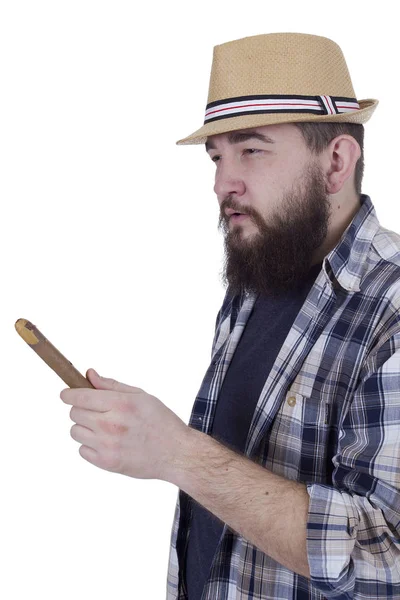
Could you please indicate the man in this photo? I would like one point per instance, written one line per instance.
(305, 372)
(289, 470)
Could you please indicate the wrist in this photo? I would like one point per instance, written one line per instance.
(187, 453)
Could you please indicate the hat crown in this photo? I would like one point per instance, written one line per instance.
(279, 63)
(277, 78)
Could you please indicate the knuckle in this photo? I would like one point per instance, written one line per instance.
(126, 404)
(111, 445)
(111, 427)
(85, 399)
(108, 464)
(123, 403)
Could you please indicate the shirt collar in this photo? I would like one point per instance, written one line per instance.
(347, 261)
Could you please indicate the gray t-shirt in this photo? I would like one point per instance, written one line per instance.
(262, 338)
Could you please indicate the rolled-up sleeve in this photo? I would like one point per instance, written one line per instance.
(353, 526)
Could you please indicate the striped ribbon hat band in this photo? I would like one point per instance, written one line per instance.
(248, 105)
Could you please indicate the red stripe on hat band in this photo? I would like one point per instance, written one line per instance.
(248, 105)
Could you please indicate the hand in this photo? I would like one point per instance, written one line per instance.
(124, 430)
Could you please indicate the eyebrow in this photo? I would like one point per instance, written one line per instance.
(236, 137)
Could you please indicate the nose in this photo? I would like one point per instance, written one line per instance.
(228, 180)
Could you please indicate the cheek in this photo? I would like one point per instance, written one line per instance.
(266, 172)
(277, 181)
(266, 191)
(264, 185)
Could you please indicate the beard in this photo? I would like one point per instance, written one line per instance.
(277, 258)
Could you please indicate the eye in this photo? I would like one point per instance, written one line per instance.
(252, 150)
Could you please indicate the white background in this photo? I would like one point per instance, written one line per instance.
(109, 245)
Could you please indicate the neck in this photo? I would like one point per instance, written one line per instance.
(343, 211)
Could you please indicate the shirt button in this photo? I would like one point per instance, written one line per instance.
(291, 400)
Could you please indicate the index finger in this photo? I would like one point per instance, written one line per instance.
(97, 400)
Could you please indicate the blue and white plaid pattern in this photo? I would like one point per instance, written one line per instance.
(341, 438)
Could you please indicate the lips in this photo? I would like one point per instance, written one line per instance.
(238, 217)
(229, 212)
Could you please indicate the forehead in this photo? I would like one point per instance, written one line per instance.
(272, 133)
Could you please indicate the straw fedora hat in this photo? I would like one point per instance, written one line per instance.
(279, 78)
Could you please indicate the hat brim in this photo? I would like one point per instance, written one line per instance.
(200, 136)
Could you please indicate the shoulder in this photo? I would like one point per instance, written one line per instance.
(382, 275)
(386, 244)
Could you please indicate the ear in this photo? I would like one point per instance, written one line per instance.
(343, 153)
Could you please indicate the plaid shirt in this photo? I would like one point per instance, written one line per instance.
(341, 438)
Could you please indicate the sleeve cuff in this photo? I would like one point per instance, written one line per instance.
(332, 526)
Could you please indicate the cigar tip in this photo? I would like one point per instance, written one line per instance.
(24, 328)
(20, 324)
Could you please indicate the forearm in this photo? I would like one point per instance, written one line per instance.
(267, 510)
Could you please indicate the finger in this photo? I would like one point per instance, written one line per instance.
(81, 416)
(103, 462)
(106, 448)
(97, 400)
(98, 421)
(90, 455)
(107, 383)
(83, 435)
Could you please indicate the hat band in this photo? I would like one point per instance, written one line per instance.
(250, 105)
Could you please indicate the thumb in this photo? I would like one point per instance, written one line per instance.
(106, 383)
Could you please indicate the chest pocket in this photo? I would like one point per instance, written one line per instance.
(302, 439)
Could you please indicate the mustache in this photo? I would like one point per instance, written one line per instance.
(230, 203)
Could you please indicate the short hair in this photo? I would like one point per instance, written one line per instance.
(317, 136)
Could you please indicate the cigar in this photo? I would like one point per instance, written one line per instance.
(51, 356)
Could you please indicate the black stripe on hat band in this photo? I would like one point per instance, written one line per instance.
(261, 112)
(275, 97)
